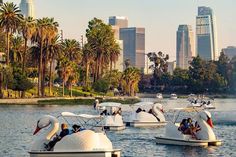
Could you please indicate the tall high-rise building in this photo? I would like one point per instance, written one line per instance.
(134, 45)
(184, 46)
(119, 21)
(206, 34)
(27, 8)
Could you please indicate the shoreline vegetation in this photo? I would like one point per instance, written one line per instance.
(82, 100)
(67, 100)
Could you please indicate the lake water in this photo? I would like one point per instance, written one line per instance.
(18, 123)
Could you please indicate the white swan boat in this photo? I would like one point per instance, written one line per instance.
(204, 137)
(159, 96)
(173, 97)
(113, 119)
(152, 118)
(204, 103)
(86, 143)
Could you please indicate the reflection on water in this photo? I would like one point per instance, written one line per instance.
(18, 122)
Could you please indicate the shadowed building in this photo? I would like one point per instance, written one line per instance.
(134, 46)
(184, 46)
(27, 8)
(206, 34)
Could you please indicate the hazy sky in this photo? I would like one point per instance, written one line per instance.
(159, 17)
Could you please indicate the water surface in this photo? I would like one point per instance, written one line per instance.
(18, 123)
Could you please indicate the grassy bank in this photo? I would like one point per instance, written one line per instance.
(86, 101)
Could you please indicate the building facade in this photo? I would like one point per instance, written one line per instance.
(206, 34)
(27, 8)
(230, 51)
(134, 46)
(171, 67)
(184, 46)
(120, 21)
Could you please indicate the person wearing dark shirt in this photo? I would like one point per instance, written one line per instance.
(64, 131)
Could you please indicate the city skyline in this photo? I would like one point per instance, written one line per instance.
(160, 19)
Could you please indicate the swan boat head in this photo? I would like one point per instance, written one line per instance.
(158, 111)
(205, 122)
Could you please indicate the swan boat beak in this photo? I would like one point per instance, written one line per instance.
(209, 122)
(36, 130)
(162, 110)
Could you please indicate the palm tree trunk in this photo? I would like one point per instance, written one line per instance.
(8, 46)
(87, 73)
(24, 56)
(40, 69)
(63, 87)
(1, 94)
(50, 78)
(71, 90)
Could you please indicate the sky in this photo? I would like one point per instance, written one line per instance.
(159, 17)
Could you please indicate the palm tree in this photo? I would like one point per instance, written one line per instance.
(88, 58)
(114, 54)
(130, 80)
(54, 49)
(46, 30)
(71, 49)
(101, 38)
(10, 18)
(16, 49)
(27, 28)
(71, 52)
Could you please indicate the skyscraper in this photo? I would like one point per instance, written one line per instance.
(206, 34)
(27, 8)
(184, 46)
(120, 21)
(134, 45)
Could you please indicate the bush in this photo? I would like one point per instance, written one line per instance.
(101, 86)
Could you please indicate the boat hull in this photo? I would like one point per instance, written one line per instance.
(112, 153)
(175, 141)
(145, 124)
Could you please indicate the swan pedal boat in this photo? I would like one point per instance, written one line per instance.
(86, 143)
(145, 119)
(204, 137)
(173, 97)
(112, 122)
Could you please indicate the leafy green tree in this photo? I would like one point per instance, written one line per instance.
(101, 85)
(10, 19)
(159, 66)
(130, 79)
(27, 29)
(102, 41)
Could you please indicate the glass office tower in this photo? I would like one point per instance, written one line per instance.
(184, 46)
(206, 34)
(27, 8)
